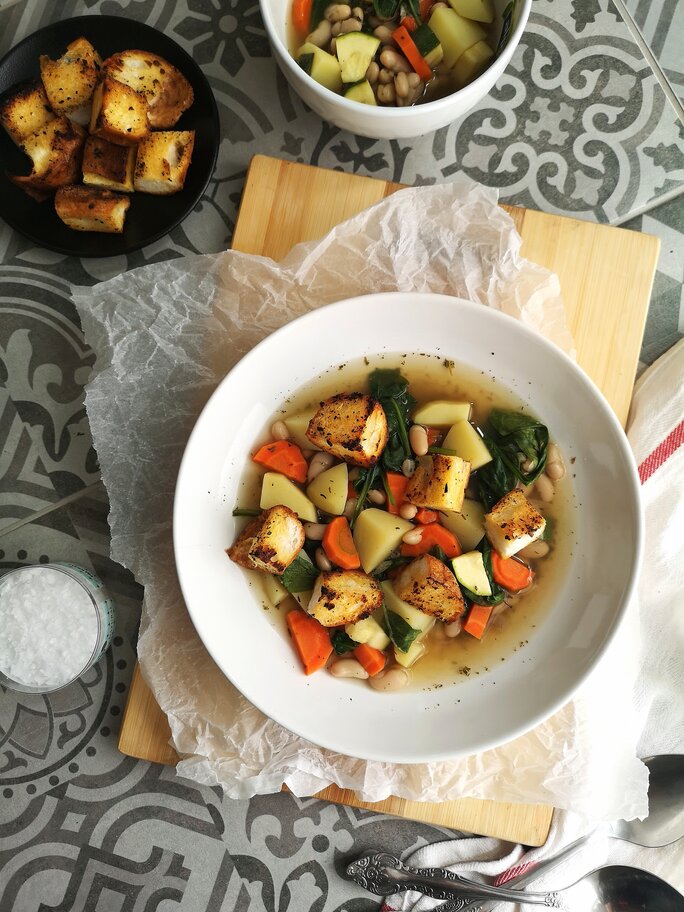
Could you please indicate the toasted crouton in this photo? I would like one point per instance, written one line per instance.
(91, 209)
(513, 523)
(108, 165)
(55, 151)
(168, 92)
(119, 113)
(163, 160)
(351, 426)
(270, 542)
(431, 587)
(439, 482)
(344, 597)
(26, 112)
(70, 81)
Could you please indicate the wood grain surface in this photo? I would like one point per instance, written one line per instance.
(606, 275)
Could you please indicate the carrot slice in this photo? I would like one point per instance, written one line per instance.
(301, 16)
(396, 482)
(408, 48)
(339, 545)
(311, 640)
(511, 573)
(409, 23)
(372, 659)
(477, 620)
(284, 457)
(425, 516)
(433, 534)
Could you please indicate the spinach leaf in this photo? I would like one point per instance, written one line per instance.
(243, 511)
(385, 9)
(342, 642)
(301, 575)
(498, 594)
(363, 484)
(512, 439)
(399, 631)
(383, 570)
(390, 388)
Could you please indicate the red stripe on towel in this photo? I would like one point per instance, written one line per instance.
(513, 872)
(662, 453)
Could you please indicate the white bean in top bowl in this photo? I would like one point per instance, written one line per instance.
(379, 122)
(601, 536)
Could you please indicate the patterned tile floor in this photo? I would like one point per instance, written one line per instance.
(579, 124)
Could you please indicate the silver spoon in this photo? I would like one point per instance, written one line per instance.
(611, 887)
(663, 826)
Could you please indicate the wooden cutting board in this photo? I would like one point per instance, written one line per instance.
(606, 275)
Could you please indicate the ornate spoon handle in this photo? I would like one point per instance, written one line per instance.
(384, 874)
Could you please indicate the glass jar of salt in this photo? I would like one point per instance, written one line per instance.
(56, 620)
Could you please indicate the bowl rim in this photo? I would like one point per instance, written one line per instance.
(437, 106)
(400, 754)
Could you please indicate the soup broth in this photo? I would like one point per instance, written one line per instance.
(447, 660)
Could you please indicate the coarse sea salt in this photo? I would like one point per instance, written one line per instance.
(48, 627)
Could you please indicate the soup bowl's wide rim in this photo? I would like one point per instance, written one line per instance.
(378, 121)
(472, 715)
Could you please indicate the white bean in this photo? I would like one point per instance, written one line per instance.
(385, 77)
(452, 629)
(357, 13)
(554, 453)
(555, 471)
(401, 87)
(527, 465)
(414, 80)
(390, 680)
(319, 463)
(408, 467)
(418, 435)
(321, 34)
(349, 507)
(544, 488)
(376, 497)
(322, 561)
(393, 61)
(534, 550)
(338, 12)
(414, 537)
(336, 30)
(279, 431)
(350, 25)
(383, 33)
(372, 72)
(348, 668)
(386, 93)
(408, 511)
(314, 531)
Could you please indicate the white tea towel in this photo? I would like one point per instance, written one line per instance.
(656, 434)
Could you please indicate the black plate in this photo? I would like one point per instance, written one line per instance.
(149, 217)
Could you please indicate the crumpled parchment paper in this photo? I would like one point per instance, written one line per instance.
(164, 336)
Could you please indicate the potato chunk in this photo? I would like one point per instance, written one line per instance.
(270, 542)
(431, 587)
(513, 523)
(439, 483)
(351, 426)
(344, 597)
